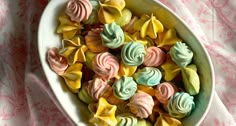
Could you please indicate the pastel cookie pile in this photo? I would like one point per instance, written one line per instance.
(129, 70)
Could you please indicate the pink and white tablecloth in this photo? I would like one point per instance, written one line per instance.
(27, 100)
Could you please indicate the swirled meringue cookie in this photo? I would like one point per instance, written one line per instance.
(104, 114)
(56, 62)
(112, 35)
(180, 105)
(73, 76)
(105, 65)
(164, 91)
(166, 120)
(93, 18)
(154, 57)
(141, 104)
(148, 76)
(126, 119)
(124, 88)
(110, 10)
(181, 54)
(132, 54)
(148, 26)
(98, 88)
(191, 79)
(78, 10)
(94, 41)
(83, 94)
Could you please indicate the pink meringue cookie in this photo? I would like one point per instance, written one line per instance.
(141, 104)
(105, 65)
(164, 91)
(57, 62)
(98, 88)
(79, 10)
(154, 57)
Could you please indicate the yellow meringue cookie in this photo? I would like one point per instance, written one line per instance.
(134, 37)
(73, 76)
(148, 26)
(105, 114)
(126, 70)
(67, 28)
(110, 10)
(73, 51)
(143, 122)
(171, 69)
(166, 120)
(89, 58)
(191, 79)
(167, 39)
(147, 89)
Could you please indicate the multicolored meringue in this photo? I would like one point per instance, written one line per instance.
(126, 119)
(141, 104)
(148, 26)
(94, 41)
(73, 51)
(154, 57)
(73, 76)
(125, 18)
(125, 70)
(191, 79)
(93, 18)
(83, 94)
(110, 10)
(180, 105)
(132, 54)
(56, 62)
(105, 65)
(181, 54)
(98, 88)
(104, 115)
(67, 28)
(167, 39)
(124, 88)
(171, 70)
(164, 91)
(78, 10)
(148, 76)
(166, 120)
(112, 35)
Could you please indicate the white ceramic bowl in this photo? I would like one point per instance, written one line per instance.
(76, 110)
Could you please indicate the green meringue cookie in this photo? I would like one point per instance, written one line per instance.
(124, 88)
(112, 35)
(126, 119)
(191, 79)
(125, 18)
(132, 54)
(93, 18)
(84, 96)
(180, 105)
(181, 54)
(143, 122)
(89, 58)
(148, 76)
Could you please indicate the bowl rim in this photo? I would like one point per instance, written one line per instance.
(58, 104)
